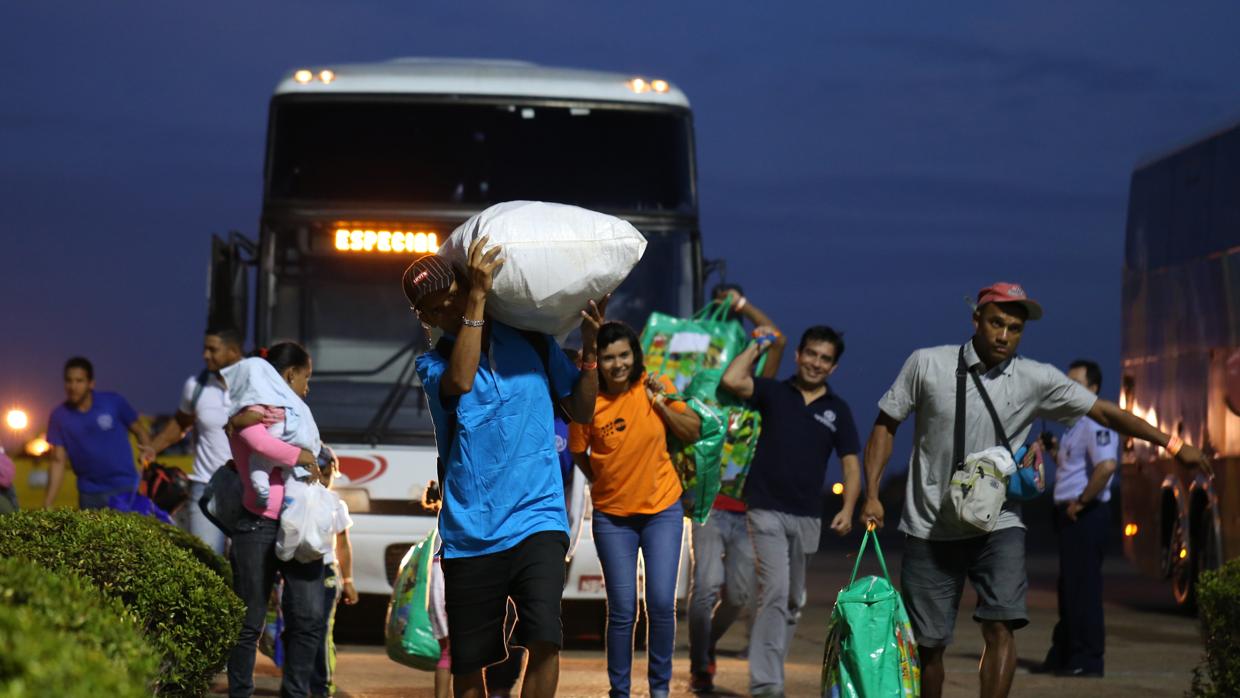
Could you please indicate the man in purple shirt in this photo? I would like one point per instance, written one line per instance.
(91, 430)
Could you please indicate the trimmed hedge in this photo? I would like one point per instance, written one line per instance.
(38, 661)
(1218, 605)
(189, 615)
(65, 604)
(191, 544)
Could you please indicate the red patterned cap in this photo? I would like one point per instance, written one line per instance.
(1004, 292)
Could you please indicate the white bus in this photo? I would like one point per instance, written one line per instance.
(368, 166)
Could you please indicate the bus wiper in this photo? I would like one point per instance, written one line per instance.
(395, 397)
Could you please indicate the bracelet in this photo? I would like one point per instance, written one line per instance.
(1174, 444)
(740, 304)
(472, 323)
(347, 580)
(590, 366)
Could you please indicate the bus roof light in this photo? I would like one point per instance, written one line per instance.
(303, 76)
(660, 86)
(638, 85)
(326, 76)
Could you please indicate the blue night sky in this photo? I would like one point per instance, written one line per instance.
(863, 167)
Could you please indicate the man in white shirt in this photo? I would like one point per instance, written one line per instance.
(940, 552)
(1086, 458)
(204, 408)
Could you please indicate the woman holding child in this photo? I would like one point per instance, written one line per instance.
(272, 434)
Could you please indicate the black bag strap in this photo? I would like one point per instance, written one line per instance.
(962, 370)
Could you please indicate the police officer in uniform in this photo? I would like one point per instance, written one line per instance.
(1087, 459)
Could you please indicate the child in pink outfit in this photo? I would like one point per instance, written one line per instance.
(261, 468)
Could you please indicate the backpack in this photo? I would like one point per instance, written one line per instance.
(408, 635)
(167, 487)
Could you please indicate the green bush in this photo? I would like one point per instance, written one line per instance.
(38, 660)
(1218, 605)
(66, 604)
(189, 615)
(191, 544)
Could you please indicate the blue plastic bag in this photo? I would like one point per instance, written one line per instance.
(1029, 481)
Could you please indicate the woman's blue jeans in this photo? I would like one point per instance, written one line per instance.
(618, 539)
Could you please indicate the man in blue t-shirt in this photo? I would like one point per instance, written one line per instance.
(91, 428)
(504, 530)
(803, 421)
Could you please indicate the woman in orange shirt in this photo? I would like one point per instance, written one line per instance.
(636, 495)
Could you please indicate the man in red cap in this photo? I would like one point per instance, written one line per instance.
(941, 550)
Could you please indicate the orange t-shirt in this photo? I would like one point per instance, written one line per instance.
(633, 472)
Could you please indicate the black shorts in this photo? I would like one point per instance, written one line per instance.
(476, 593)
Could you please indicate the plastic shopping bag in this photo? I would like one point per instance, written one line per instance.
(557, 259)
(697, 463)
(306, 526)
(408, 635)
(870, 651)
(693, 353)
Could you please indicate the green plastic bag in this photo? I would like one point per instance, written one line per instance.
(693, 353)
(697, 463)
(408, 635)
(870, 650)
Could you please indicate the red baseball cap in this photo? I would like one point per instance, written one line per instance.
(1004, 292)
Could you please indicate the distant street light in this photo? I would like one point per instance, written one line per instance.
(17, 420)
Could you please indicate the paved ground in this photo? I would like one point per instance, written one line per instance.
(1151, 649)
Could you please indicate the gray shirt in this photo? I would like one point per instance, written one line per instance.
(1022, 391)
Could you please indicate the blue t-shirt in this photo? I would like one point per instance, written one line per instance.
(790, 464)
(502, 479)
(97, 442)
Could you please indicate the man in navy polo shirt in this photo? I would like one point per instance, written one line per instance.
(802, 423)
(92, 429)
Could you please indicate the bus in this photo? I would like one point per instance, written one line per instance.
(1181, 359)
(371, 165)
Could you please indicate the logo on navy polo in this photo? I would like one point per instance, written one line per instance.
(1103, 437)
(105, 422)
(827, 419)
(560, 444)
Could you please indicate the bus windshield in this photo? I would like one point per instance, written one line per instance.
(351, 316)
(471, 154)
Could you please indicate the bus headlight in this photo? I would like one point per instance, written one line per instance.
(356, 498)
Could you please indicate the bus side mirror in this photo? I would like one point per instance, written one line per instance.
(228, 288)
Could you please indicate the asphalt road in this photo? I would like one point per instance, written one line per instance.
(1151, 647)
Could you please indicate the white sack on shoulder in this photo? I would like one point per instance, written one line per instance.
(557, 259)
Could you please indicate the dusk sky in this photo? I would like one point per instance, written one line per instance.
(865, 167)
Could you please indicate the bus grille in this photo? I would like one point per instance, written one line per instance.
(392, 557)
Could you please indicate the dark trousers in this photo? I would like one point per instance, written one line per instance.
(254, 568)
(1080, 635)
(325, 658)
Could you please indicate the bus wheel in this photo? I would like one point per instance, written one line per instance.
(1183, 568)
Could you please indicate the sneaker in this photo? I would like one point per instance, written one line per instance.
(1079, 673)
(702, 682)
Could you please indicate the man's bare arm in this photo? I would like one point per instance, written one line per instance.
(760, 319)
(55, 475)
(877, 452)
(172, 432)
(738, 377)
(1109, 415)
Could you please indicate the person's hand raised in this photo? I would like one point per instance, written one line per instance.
(483, 265)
